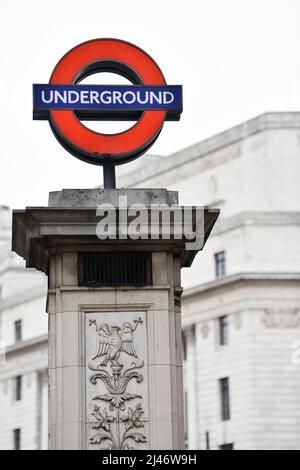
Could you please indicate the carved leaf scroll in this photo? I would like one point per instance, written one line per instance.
(122, 428)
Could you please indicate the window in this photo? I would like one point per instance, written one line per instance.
(18, 388)
(184, 347)
(186, 426)
(207, 440)
(17, 439)
(224, 330)
(225, 400)
(227, 447)
(220, 264)
(18, 331)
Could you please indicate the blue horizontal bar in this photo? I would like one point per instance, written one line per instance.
(107, 97)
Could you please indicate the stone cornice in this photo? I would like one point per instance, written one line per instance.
(21, 298)
(251, 218)
(39, 231)
(10, 268)
(267, 121)
(240, 278)
(23, 346)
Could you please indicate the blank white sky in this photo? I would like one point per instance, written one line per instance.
(234, 58)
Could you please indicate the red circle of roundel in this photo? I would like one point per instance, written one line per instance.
(128, 144)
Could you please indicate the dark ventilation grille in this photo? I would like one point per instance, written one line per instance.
(115, 269)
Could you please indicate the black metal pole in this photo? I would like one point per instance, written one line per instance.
(109, 173)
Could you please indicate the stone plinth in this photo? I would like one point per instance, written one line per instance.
(115, 360)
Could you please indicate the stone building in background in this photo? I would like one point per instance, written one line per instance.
(241, 304)
(24, 362)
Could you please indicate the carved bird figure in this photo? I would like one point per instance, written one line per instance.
(112, 340)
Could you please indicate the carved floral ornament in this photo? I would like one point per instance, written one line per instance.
(238, 320)
(205, 329)
(118, 426)
(281, 318)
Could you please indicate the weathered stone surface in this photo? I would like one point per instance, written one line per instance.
(117, 382)
(87, 198)
(114, 352)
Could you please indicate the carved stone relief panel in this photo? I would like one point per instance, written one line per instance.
(117, 381)
(238, 320)
(281, 318)
(205, 329)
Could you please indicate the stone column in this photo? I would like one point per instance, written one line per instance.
(191, 386)
(42, 408)
(115, 359)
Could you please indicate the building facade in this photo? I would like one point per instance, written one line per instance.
(24, 349)
(241, 303)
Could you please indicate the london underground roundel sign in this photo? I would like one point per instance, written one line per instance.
(66, 103)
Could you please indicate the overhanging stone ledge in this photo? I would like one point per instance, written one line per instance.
(38, 230)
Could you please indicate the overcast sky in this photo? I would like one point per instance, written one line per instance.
(235, 59)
